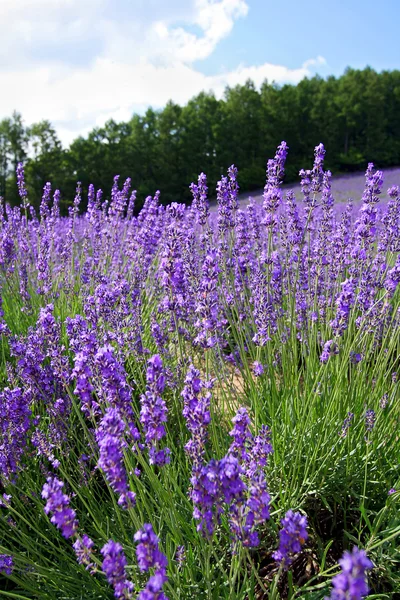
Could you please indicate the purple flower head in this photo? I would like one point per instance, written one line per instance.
(213, 486)
(351, 583)
(180, 555)
(83, 549)
(370, 420)
(384, 401)
(258, 452)
(15, 424)
(63, 516)
(155, 375)
(115, 388)
(148, 553)
(258, 369)
(227, 190)
(365, 227)
(200, 202)
(150, 557)
(110, 438)
(6, 564)
(272, 193)
(330, 349)
(355, 357)
(23, 194)
(196, 410)
(240, 433)
(153, 412)
(318, 172)
(346, 424)
(114, 567)
(344, 303)
(391, 491)
(291, 537)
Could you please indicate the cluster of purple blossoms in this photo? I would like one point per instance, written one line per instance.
(171, 268)
(83, 548)
(370, 418)
(258, 368)
(196, 410)
(23, 194)
(149, 557)
(384, 401)
(84, 388)
(291, 537)
(208, 310)
(15, 424)
(111, 441)
(241, 434)
(6, 564)
(115, 390)
(344, 303)
(180, 555)
(227, 191)
(330, 349)
(346, 424)
(153, 413)
(237, 481)
(254, 451)
(200, 202)
(114, 567)
(272, 193)
(351, 582)
(215, 485)
(64, 517)
(365, 227)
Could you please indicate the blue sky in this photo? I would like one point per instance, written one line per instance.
(352, 33)
(81, 62)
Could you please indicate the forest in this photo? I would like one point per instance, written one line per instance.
(356, 116)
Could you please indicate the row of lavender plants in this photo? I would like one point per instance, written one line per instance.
(200, 404)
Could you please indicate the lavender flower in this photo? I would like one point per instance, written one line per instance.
(114, 567)
(291, 537)
(208, 308)
(369, 420)
(6, 564)
(258, 369)
(346, 424)
(329, 350)
(272, 193)
(180, 555)
(237, 482)
(153, 413)
(240, 433)
(196, 411)
(200, 202)
(150, 557)
(344, 303)
(15, 424)
(64, 517)
(351, 583)
(83, 548)
(110, 438)
(384, 401)
(214, 485)
(21, 185)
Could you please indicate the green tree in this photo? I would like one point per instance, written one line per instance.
(13, 148)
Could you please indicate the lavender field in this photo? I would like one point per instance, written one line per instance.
(202, 401)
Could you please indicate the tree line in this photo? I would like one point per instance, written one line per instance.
(356, 116)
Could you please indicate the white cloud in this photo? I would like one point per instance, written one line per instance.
(80, 63)
(215, 19)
